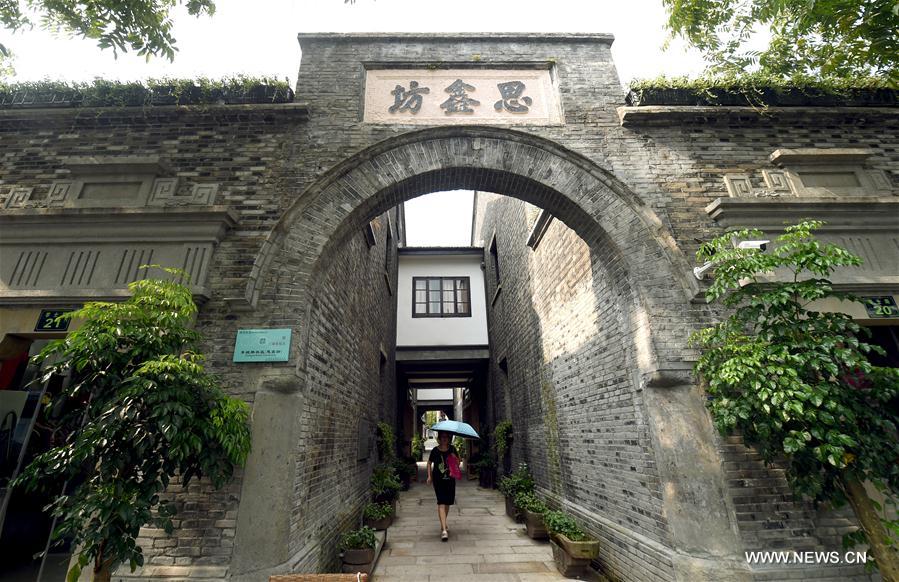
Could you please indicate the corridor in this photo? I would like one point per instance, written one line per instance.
(485, 544)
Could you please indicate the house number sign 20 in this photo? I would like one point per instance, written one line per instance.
(881, 307)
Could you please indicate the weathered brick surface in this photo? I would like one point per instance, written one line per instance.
(281, 172)
(577, 420)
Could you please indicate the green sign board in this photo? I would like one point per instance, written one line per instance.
(46, 321)
(262, 345)
(881, 307)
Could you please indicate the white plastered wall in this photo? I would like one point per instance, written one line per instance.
(441, 331)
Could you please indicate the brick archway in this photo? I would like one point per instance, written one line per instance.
(649, 278)
(638, 249)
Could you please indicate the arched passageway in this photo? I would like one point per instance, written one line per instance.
(683, 524)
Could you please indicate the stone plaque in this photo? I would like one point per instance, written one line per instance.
(262, 345)
(459, 96)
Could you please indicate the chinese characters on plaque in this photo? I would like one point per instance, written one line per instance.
(462, 96)
(262, 345)
(459, 101)
(408, 100)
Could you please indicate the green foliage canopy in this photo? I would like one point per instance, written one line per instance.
(141, 25)
(795, 382)
(148, 411)
(103, 93)
(828, 37)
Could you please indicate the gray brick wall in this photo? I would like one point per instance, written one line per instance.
(577, 420)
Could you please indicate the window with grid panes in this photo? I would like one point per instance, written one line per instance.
(441, 297)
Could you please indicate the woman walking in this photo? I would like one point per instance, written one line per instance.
(440, 462)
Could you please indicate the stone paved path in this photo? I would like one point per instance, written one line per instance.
(484, 545)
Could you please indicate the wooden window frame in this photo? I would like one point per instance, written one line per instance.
(427, 302)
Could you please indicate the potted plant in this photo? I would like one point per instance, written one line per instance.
(471, 467)
(485, 465)
(533, 509)
(378, 515)
(572, 548)
(404, 471)
(520, 481)
(418, 447)
(411, 467)
(358, 550)
(385, 486)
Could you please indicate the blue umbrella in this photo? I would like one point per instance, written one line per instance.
(462, 429)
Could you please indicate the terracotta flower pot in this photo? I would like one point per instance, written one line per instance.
(359, 556)
(534, 525)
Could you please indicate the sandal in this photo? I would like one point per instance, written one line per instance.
(444, 535)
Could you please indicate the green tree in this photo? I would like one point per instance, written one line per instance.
(839, 38)
(141, 25)
(149, 412)
(797, 383)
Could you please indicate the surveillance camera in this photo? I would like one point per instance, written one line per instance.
(699, 272)
(760, 245)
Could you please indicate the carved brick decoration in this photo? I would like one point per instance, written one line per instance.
(19, 198)
(59, 193)
(164, 191)
(880, 180)
(738, 185)
(204, 193)
(776, 181)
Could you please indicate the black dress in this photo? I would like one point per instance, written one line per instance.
(444, 484)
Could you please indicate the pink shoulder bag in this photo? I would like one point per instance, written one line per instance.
(452, 462)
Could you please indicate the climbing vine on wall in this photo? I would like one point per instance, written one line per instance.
(503, 436)
(551, 421)
(386, 441)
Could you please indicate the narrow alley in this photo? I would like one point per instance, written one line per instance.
(484, 545)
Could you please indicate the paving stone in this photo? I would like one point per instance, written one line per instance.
(487, 548)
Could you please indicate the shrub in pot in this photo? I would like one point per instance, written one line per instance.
(404, 472)
(418, 447)
(358, 550)
(572, 547)
(378, 515)
(385, 486)
(533, 509)
(519, 481)
(485, 465)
